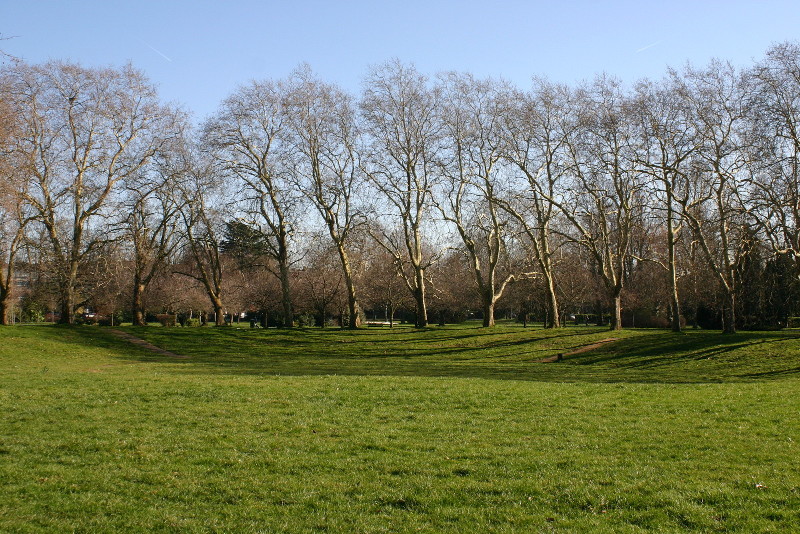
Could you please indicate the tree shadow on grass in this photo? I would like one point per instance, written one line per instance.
(713, 356)
(503, 354)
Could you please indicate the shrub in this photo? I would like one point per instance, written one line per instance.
(194, 322)
(166, 319)
(34, 316)
(306, 320)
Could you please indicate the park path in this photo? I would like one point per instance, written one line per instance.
(145, 344)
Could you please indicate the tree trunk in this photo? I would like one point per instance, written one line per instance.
(218, 312)
(543, 254)
(616, 317)
(488, 311)
(728, 313)
(354, 310)
(673, 275)
(286, 295)
(554, 320)
(138, 304)
(352, 300)
(67, 304)
(675, 301)
(6, 281)
(5, 301)
(419, 297)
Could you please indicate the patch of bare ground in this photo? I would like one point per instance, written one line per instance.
(145, 345)
(579, 350)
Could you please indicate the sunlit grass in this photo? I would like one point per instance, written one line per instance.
(455, 429)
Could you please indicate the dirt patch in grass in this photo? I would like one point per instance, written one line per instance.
(580, 350)
(146, 345)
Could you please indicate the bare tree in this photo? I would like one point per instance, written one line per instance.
(85, 130)
(247, 138)
(536, 130)
(775, 161)
(323, 137)
(13, 222)
(151, 201)
(713, 206)
(666, 143)
(603, 199)
(14, 212)
(471, 115)
(201, 209)
(400, 115)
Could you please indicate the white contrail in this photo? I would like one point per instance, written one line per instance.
(651, 45)
(154, 49)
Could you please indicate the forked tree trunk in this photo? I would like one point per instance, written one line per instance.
(553, 318)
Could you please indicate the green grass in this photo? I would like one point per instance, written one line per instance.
(455, 429)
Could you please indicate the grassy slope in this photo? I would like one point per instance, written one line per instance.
(454, 429)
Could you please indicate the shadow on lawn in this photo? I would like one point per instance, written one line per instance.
(508, 353)
(640, 356)
(667, 348)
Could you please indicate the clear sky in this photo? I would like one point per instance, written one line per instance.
(199, 51)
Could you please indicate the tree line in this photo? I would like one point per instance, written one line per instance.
(670, 202)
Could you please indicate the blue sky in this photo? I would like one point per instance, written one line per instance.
(199, 51)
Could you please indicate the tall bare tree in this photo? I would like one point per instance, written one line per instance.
(14, 218)
(714, 207)
(152, 206)
(471, 163)
(14, 212)
(201, 202)
(666, 143)
(536, 131)
(603, 199)
(247, 138)
(774, 164)
(323, 139)
(400, 109)
(85, 130)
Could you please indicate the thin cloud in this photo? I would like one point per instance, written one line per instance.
(651, 45)
(154, 49)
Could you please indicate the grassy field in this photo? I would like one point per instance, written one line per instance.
(456, 429)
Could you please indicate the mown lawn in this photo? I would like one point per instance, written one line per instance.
(456, 429)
